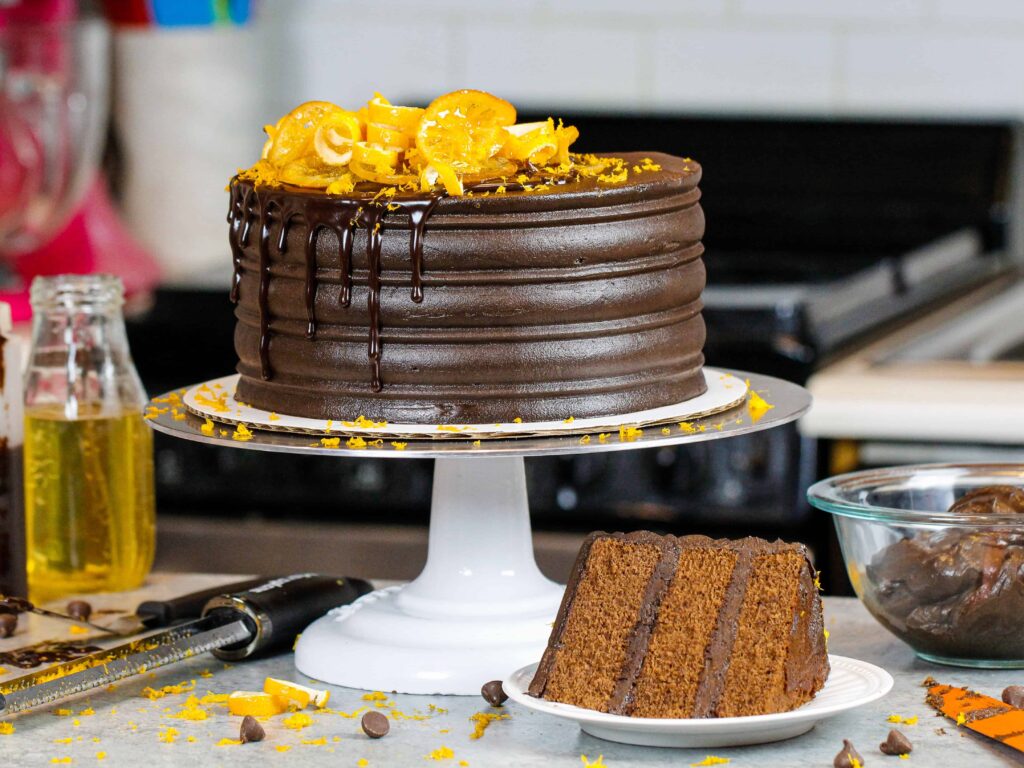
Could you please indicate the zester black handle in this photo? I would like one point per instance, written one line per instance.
(163, 613)
(281, 608)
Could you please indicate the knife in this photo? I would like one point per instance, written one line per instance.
(257, 621)
(151, 614)
(982, 714)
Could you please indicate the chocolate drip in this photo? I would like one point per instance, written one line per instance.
(345, 259)
(373, 220)
(241, 213)
(418, 211)
(264, 292)
(342, 216)
(311, 282)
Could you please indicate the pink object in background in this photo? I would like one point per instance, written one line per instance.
(94, 240)
(92, 237)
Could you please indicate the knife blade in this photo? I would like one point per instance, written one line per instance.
(982, 714)
(233, 626)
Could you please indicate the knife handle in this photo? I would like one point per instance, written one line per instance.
(162, 613)
(279, 609)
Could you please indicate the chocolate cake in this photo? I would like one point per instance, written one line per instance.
(956, 592)
(556, 291)
(689, 627)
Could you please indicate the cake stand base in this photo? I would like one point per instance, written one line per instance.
(480, 609)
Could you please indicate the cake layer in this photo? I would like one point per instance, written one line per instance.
(723, 628)
(580, 300)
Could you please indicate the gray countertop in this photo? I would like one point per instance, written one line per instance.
(127, 728)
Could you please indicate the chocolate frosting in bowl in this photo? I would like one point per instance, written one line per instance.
(579, 300)
(957, 592)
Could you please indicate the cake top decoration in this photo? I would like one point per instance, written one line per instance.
(462, 139)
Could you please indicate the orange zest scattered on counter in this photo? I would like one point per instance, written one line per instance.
(398, 446)
(298, 721)
(599, 763)
(461, 138)
(711, 760)
(441, 753)
(900, 719)
(153, 694)
(482, 720)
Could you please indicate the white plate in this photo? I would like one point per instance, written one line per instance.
(215, 399)
(851, 684)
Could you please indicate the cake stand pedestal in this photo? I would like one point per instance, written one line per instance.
(480, 608)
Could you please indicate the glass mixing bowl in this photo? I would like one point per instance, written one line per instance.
(950, 584)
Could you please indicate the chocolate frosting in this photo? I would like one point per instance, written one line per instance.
(957, 592)
(579, 300)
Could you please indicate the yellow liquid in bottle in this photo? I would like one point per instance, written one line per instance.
(89, 502)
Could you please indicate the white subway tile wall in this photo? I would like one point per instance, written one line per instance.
(886, 57)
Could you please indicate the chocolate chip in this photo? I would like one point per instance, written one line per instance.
(375, 725)
(493, 693)
(848, 757)
(896, 744)
(1014, 696)
(79, 609)
(8, 623)
(250, 730)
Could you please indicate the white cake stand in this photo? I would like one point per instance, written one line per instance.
(481, 607)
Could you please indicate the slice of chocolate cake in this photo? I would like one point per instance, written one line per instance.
(660, 626)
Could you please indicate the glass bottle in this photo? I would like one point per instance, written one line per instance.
(89, 492)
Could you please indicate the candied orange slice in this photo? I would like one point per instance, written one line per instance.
(495, 168)
(310, 174)
(536, 143)
(565, 135)
(379, 164)
(376, 156)
(289, 138)
(334, 136)
(381, 111)
(294, 692)
(388, 136)
(256, 703)
(476, 107)
(462, 130)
